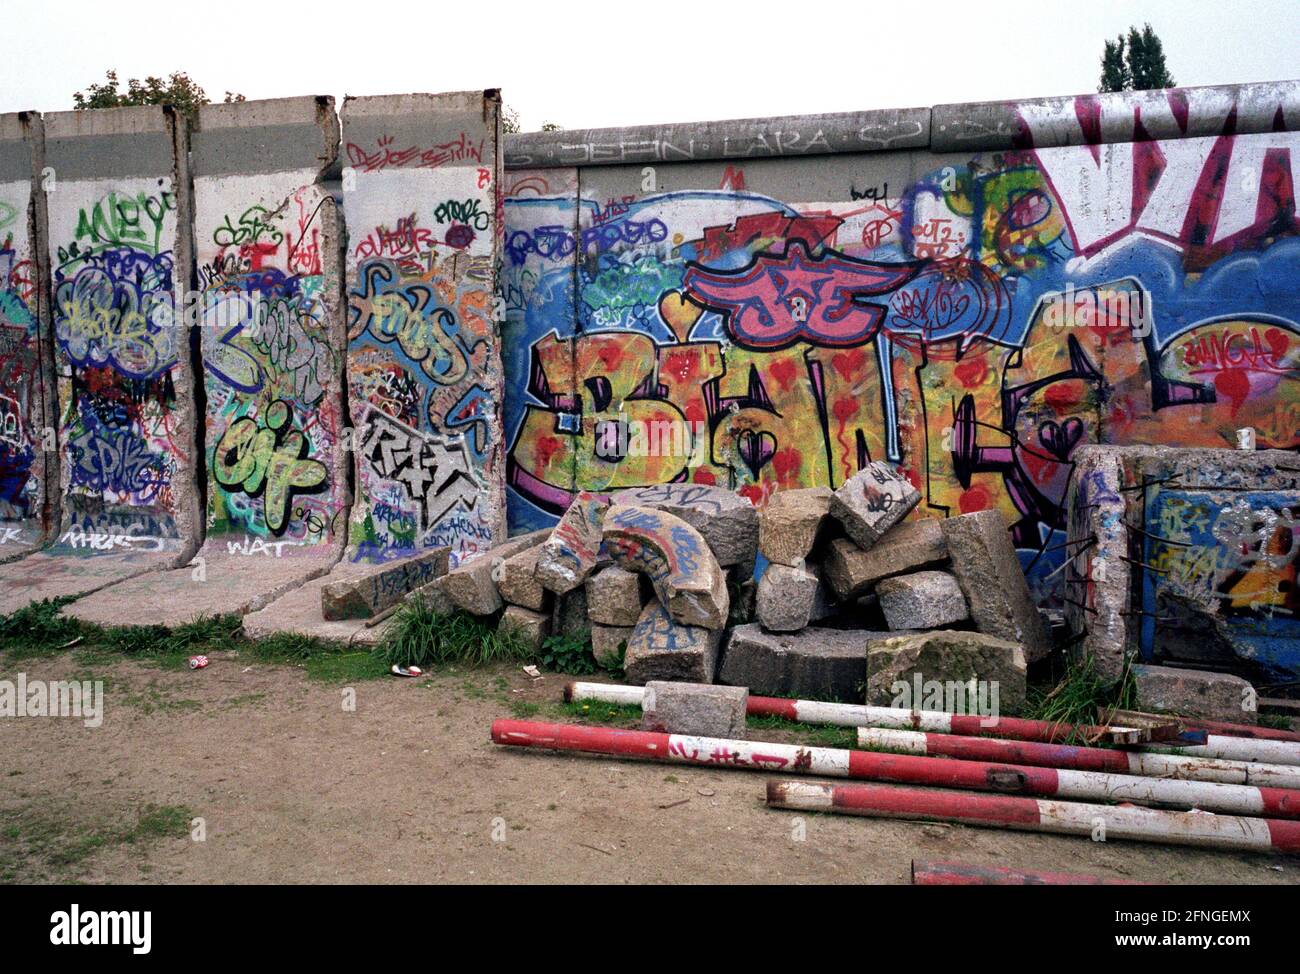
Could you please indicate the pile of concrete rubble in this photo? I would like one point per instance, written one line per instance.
(852, 598)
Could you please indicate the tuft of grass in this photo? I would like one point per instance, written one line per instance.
(421, 636)
(38, 627)
(160, 822)
(135, 640)
(290, 647)
(1275, 721)
(1079, 694)
(207, 632)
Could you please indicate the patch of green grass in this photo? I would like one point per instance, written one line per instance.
(421, 636)
(598, 712)
(160, 822)
(524, 709)
(818, 735)
(50, 843)
(340, 667)
(1079, 694)
(155, 698)
(38, 627)
(1275, 721)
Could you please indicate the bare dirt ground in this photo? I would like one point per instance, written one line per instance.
(408, 788)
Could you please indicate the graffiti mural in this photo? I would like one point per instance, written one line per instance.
(126, 451)
(273, 427)
(22, 491)
(424, 367)
(975, 325)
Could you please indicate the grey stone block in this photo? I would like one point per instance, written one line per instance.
(906, 547)
(923, 600)
(986, 566)
(701, 709)
(791, 524)
(614, 597)
(663, 649)
(785, 598)
(943, 657)
(817, 663)
(571, 552)
(368, 595)
(606, 642)
(1195, 693)
(872, 501)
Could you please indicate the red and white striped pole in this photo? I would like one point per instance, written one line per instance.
(1079, 758)
(928, 873)
(941, 722)
(901, 768)
(1038, 815)
(1235, 749)
(1247, 730)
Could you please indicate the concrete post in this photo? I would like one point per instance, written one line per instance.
(29, 488)
(120, 258)
(268, 315)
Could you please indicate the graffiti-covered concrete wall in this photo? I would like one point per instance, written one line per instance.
(119, 252)
(421, 197)
(266, 316)
(972, 292)
(267, 247)
(29, 489)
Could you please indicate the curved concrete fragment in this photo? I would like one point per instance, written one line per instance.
(571, 552)
(686, 576)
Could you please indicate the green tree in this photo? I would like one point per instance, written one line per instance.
(177, 90)
(1135, 63)
(510, 122)
(1114, 70)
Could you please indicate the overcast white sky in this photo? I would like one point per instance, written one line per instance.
(587, 63)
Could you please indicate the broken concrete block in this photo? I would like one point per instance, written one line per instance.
(608, 642)
(435, 596)
(517, 582)
(727, 521)
(906, 547)
(661, 648)
(944, 662)
(788, 598)
(922, 600)
(472, 585)
(569, 613)
(701, 709)
(872, 501)
(1195, 693)
(817, 663)
(686, 576)
(791, 524)
(529, 626)
(1156, 533)
(989, 573)
(572, 550)
(614, 597)
(370, 594)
